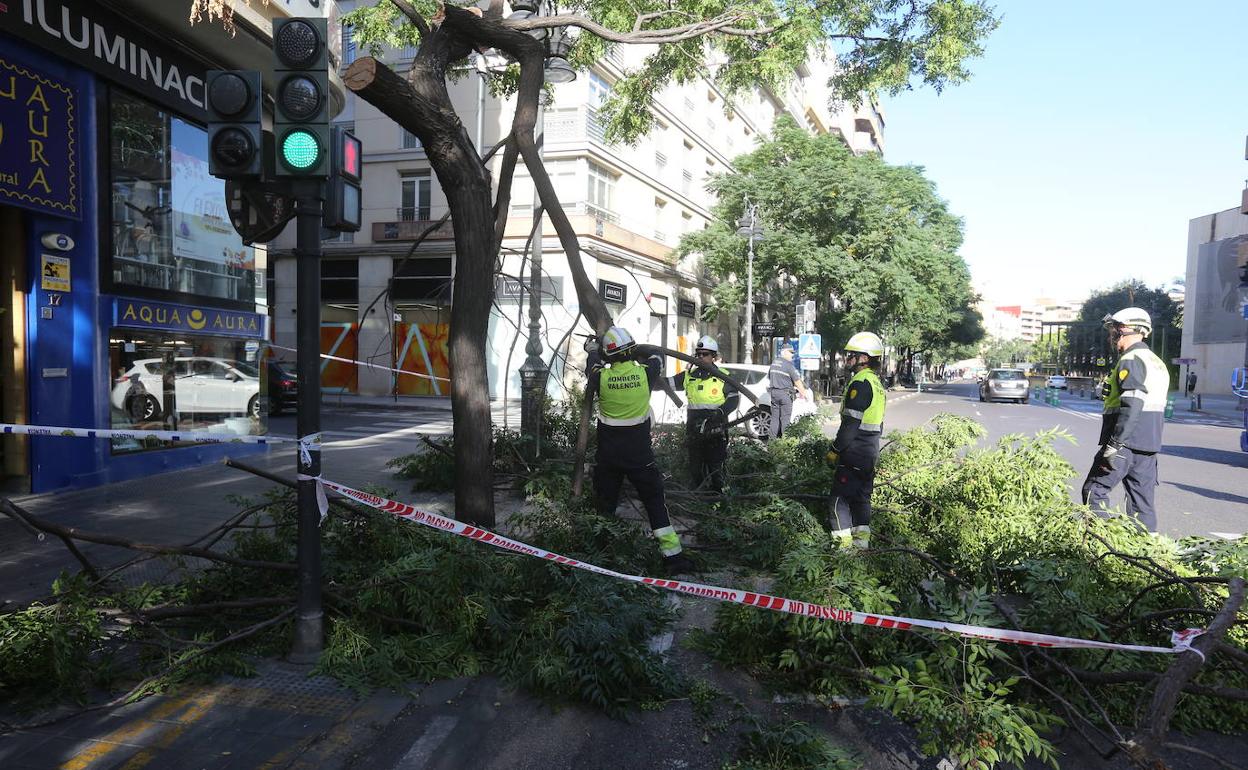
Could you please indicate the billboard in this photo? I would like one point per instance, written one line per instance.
(1218, 316)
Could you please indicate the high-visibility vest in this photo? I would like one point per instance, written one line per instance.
(705, 392)
(1146, 435)
(624, 394)
(873, 418)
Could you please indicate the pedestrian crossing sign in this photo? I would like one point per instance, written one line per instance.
(809, 346)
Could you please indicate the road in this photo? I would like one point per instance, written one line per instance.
(1203, 487)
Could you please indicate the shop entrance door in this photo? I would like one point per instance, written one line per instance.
(14, 454)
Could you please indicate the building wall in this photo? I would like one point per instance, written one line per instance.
(1214, 243)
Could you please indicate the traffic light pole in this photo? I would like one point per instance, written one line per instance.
(309, 617)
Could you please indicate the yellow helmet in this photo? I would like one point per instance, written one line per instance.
(865, 342)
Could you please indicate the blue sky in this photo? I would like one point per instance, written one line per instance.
(1088, 137)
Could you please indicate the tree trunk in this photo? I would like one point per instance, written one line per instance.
(421, 105)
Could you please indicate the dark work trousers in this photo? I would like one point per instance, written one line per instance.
(1138, 473)
(625, 452)
(707, 455)
(852, 484)
(781, 412)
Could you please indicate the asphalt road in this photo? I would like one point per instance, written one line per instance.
(1203, 487)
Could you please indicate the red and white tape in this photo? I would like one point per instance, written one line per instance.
(197, 437)
(1182, 640)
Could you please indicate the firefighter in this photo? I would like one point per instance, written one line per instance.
(856, 448)
(711, 402)
(622, 381)
(1135, 403)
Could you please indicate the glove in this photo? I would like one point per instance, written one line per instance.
(833, 457)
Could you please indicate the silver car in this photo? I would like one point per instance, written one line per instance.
(1008, 384)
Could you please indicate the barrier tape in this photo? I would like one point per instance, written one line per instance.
(366, 363)
(197, 437)
(1182, 639)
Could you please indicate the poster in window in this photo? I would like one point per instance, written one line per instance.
(201, 223)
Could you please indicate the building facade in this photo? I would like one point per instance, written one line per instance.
(1215, 330)
(128, 300)
(387, 304)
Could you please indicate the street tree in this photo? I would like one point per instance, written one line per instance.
(1166, 315)
(998, 352)
(881, 46)
(871, 243)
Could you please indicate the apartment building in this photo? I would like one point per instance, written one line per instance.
(385, 303)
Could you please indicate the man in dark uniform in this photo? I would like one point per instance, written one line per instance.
(856, 449)
(1135, 402)
(711, 401)
(622, 384)
(782, 379)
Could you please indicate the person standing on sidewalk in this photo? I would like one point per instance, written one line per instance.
(711, 401)
(1135, 403)
(622, 381)
(782, 379)
(856, 448)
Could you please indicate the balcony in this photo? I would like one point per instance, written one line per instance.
(410, 222)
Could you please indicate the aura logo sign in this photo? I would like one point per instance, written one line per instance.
(143, 314)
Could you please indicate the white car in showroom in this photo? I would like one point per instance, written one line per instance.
(754, 378)
(202, 385)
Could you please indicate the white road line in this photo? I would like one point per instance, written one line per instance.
(422, 750)
(1228, 535)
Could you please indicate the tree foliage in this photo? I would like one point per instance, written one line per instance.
(852, 227)
(1132, 292)
(998, 352)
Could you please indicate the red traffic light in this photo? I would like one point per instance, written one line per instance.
(350, 157)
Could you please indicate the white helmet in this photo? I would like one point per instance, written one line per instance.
(617, 341)
(707, 342)
(1134, 318)
(866, 342)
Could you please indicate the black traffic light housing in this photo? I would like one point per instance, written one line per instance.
(235, 144)
(301, 111)
(343, 211)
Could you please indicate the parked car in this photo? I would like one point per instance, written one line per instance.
(201, 385)
(1055, 381)
(1004, 383)
(283, 389)
(754, 378)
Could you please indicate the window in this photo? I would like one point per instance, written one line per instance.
(348, 44)
(421, 279)
(660, 215)
(601, 188)
(340, 279)
(414, 198)
(686, 182)
(660, 161)
(599, 90)
(409, 140)
(167, 380)
(686, 222)
(169, 228)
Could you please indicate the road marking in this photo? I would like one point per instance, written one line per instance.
(1080, 415)
(154, 720)
(978, 413)
(1228, 535)
(419, 754)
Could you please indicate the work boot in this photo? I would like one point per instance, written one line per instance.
(678, 564)
(842, 537)
(862, 536)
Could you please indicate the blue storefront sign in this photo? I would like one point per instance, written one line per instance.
(39, 142)
(190, 319)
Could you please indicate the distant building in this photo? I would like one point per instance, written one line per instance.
(1214, 328)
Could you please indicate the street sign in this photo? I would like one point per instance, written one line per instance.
(764, 329)
(1183, 361)
(810, 346)
(810, 364)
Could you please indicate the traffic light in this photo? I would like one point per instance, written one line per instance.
(342, 196)
(301, 114)
(235, 148)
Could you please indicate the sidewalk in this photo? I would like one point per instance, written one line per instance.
(1225, 406)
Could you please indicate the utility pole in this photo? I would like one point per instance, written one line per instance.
(748, 227)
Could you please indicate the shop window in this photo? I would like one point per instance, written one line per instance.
(421, 280)
(169, 227)
(340, 280)
(182, 382)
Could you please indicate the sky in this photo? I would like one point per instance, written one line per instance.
(1090, 134)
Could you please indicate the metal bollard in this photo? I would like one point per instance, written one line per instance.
(1169, 407)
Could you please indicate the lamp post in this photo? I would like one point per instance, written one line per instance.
(533, 372)
(747, 227)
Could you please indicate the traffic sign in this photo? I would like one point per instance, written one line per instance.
(1183, 361)
(765, 329)
(810, 346)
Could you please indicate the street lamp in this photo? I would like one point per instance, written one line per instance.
(748, 228)
(533, 372)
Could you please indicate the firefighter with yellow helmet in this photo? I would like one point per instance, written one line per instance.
(1134, 415)
(711, 401)
(856, 448)
(622, 381)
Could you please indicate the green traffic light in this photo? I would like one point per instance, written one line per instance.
(300, 150)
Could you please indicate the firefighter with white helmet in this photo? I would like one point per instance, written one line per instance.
(622, 382)
(711, 401)
(1135, 402)
(856, 448)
